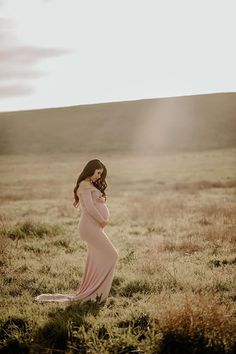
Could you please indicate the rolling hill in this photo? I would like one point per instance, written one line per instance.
(150, 126)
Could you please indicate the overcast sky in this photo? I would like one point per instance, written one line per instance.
(57, 53)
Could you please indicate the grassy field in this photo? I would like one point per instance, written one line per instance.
(173, 224)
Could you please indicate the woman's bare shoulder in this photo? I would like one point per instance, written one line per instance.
(85, 185)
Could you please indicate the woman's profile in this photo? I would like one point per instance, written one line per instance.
(89, 194)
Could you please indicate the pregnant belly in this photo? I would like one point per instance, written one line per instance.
(103, 209)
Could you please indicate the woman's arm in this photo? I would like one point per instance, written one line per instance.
(85, 191)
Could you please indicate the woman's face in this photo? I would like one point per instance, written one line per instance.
(97, 174)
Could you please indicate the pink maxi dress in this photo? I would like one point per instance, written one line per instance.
(102, 255)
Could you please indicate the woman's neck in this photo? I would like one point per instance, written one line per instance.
(89, 180)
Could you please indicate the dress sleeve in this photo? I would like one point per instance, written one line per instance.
(85, 192)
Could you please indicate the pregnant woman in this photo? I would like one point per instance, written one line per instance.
(102, 256)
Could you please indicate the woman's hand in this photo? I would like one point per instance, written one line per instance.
(101, 199)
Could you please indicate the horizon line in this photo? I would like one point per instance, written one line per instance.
(122, 101)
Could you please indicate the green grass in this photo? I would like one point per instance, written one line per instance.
(173, 223)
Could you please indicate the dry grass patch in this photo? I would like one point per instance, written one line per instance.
(196, 323)
(204, 184)
(153, 209)
(225, 212)
(5, 249)
(217, 235)
(183, 246)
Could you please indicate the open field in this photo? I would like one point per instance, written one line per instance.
(173, 224)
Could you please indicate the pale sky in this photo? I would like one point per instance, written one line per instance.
(56, 53)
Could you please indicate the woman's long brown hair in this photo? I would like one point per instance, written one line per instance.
(88, 171)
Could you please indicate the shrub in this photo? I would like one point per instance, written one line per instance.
(136, 286)
(15, 335)
(30, 229)
(196, 324)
